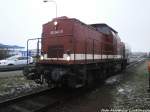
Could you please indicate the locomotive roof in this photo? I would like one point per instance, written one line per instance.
(104, 28)
(101, 27)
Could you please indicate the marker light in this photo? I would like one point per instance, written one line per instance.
(55, 23)
(41, 57)
(68, 58)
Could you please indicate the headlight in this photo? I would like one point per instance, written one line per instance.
(41, 57)
(68, 58)
(55, 23)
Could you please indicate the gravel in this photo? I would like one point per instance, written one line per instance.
(125, 92)
(13, 84)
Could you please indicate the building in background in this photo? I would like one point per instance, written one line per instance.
(9, 50)
(31, 52)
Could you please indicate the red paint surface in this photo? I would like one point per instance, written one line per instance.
(77, 38)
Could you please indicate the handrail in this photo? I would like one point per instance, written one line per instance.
(28, 47)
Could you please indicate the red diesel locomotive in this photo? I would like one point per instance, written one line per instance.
(75, 54)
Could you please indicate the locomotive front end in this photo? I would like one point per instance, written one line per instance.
(56, 59)
(57, 42)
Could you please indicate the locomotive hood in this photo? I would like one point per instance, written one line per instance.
(103, 28)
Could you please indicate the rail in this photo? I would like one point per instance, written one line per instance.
(30, 100)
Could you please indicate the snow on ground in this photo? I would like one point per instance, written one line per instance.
(14, 83)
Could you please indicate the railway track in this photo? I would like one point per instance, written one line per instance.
(33, 102)
(135, 63)
(40, 101)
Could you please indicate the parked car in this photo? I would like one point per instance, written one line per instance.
(16, 60)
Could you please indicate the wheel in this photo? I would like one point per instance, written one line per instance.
(90, 79)
(72, 81)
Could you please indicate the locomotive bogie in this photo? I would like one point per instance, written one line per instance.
(76, 75)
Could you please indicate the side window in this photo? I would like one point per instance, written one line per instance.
(22, 58)
(19, 58)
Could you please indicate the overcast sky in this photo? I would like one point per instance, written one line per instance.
(23, 19)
